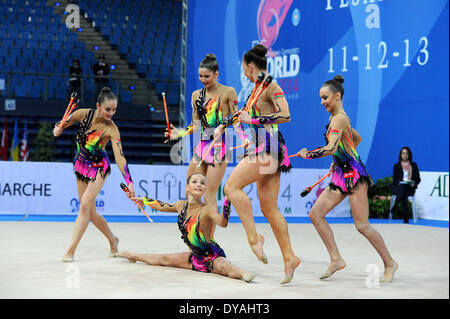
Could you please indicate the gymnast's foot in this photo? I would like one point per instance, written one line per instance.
(114, 247)
(68, 258)
(389, 272)
(334, 266)
(257, 249)
(126, 254)
(248, 276)
(289, 269)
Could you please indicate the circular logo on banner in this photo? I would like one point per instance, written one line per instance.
(296, 17)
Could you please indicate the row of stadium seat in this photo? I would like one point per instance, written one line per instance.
(49, 47)
(146, 33)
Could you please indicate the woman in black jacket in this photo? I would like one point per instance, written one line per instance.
(406, 178)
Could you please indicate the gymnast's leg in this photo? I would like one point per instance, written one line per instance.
(214, 176)
(245, 173)
(100, 222)
(87, 203)
(178, 260)
(268, 188)
(327, 200)
(223, 267)
(360, 211)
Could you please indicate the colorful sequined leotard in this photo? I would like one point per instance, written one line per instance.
(211, 116)
(348, 170)
(90, 157)
(203, 253)
(271, 142)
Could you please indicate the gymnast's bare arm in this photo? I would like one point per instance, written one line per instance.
(337, 126)
(356, 137)
(273, 106)
(221, 220)
(75, 117)
(159, 205)
(120, 158)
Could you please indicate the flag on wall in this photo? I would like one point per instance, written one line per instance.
(24, 150)
(4, 143)
(14, 155)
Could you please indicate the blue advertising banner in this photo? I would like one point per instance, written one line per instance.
(27, 188)
(393, 55)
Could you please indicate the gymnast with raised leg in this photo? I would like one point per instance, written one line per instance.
(91, 164)
(211, 106)
(196, 222)
(349, 179)
(265, 109)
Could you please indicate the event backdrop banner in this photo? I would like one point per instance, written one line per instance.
(50, 189)
(393, 55)
(432, 196)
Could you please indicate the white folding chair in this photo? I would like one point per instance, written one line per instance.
(413, 202)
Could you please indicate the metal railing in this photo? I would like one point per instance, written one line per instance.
(87, 85)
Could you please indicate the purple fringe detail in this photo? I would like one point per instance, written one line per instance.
(347, 182)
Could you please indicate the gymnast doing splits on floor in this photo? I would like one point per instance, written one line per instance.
(196, 222)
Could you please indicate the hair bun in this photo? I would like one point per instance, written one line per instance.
(259, 50)
(210, 62)
(210, 57)
(106, 90)
(339, 78)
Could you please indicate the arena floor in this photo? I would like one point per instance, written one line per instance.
(31, 267)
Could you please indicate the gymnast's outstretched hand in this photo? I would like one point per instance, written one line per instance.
(173, 134)
(57, 130)
(130, 192)
(139, 200)
(302, 153)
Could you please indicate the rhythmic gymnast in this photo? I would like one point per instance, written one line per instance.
(92, 166)
(211, 105)
(196, 222)
(349, 178)
(268, 157)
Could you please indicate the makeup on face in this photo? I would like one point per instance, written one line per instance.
(326, 97)
(405, 155)
(108, 109)
(207, 77)
(196, 184)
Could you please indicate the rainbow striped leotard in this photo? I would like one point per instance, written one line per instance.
(90, 157)
(271, 142)
(348, 170)
(211, 116)
(203, 253)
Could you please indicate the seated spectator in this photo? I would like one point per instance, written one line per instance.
(405, 179)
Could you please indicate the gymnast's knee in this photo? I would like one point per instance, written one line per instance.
(86, 207)
(270, 211)
(314, 216)
(227, 189)
(222, 266)
(164, 260)
(363, 228)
